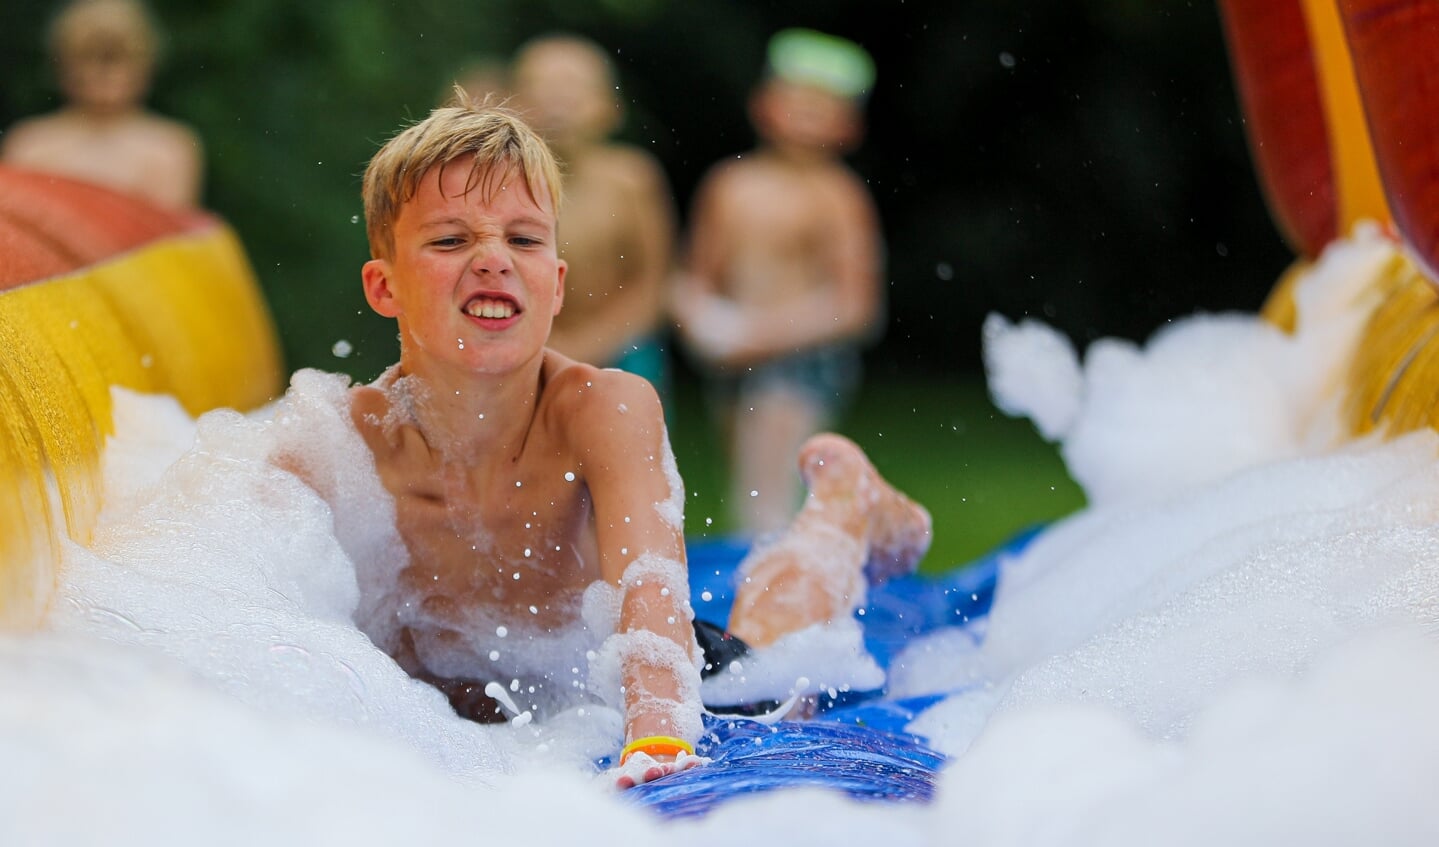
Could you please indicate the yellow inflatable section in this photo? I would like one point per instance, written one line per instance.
(173, 308)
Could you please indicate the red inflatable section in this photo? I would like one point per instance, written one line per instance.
(1279, 90)
(1396, 60)
(50, 225)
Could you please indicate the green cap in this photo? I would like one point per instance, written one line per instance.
(835, 64)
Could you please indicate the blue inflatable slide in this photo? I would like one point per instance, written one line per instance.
(857, 743)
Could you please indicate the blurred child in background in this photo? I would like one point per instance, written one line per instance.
(104, 53)
(617, 228)
(783, 270)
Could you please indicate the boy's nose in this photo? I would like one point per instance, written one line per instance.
(491, 259)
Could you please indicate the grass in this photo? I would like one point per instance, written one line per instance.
(983, 475)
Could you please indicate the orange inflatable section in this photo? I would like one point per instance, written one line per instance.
(97, 290)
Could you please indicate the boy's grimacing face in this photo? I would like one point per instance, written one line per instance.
(474, 279)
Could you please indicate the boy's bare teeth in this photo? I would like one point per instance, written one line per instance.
(491, 307)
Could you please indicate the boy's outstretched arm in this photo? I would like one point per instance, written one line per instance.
(638, 501)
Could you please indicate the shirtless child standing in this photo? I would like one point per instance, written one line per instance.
(526, 483)
(104, 53)
(783, 270)
(617, 229)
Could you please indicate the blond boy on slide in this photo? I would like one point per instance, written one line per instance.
(522, 478)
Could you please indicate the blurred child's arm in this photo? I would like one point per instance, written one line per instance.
(638, 502)
(706, 254)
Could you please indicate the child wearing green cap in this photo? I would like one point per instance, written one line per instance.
(782, 282)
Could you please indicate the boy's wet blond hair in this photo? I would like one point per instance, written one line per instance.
(497, 138)
(108, 25)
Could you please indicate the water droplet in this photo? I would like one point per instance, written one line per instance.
(706, 596)
(494, 655)
(569, 476)
(354, 219)
(753, 493)
(501, 631)
(341, 349)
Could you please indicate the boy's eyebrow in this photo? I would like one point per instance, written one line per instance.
(451, 221)
(529, 220)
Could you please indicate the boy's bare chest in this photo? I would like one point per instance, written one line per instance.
(781, 207)
(516, 546)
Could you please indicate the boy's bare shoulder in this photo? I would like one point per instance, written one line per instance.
(30, 133)
(369, 408)
(162, 130)
(589, 402)
(630, 166)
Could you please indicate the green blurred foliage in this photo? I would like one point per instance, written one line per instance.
(1077, 160)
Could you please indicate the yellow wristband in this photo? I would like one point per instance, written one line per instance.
(653, 745)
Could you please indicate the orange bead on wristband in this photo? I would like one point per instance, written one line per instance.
(657, 745)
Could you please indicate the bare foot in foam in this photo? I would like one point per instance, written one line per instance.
(895, 530)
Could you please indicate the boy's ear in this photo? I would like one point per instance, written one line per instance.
(562, 267)
(375, 275)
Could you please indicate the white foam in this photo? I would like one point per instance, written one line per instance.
(826, 657)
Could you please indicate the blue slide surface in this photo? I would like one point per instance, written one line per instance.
(857, 744)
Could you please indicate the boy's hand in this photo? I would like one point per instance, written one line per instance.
(642, 767)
